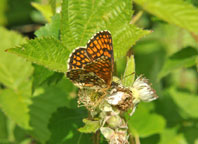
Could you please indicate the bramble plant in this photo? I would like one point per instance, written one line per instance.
(39, 104)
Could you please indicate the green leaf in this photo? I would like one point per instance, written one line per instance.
(50, 29)
(170, 136)
(16, 107)
(64, 124)
(175, 12)
(3, 6)
(3, 126)
(82, 19)
(183, 58)
(144, 123)
(40, 75)
(187, 102)
(129, 74)
(46, 102)
(45, 51)
(53, 5)
(44, 9)
(90, 126)
(15, 74)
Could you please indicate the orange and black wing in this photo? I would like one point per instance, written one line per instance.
(78, 58)
(102, 68)
(101, 46)
(93, 66)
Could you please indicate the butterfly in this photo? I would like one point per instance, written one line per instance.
(92, 66)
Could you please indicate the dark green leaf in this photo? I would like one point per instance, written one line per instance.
(46, 101)
(184, 58)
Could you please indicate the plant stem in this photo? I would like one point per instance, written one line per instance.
(136, 17)
(137, 139)
(96, 137)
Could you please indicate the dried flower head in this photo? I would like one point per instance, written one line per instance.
(142, 91)
(121, 98)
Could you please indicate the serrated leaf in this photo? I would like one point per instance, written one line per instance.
(144, 123)
(45, 51)
(44, 9)
(90, 126)
(47, 102)
(63, 127)
(175, 12)
(183, 58)
(187, 102)
(129, 74)
(51, 29)
(82, 19)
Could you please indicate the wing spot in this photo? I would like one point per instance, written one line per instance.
(98, 54)
(78, 58)
(78, 63)
(89, 51)
(91, 45)
(82, 56)
(107, 54)
(86, 59)
(95, 49)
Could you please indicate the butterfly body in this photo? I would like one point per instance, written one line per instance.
(92, 66)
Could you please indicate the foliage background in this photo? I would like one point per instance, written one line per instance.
(38, 104)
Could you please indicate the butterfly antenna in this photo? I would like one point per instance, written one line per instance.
(127, 75)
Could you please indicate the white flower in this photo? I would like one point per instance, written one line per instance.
(141, 90)
(116, 98)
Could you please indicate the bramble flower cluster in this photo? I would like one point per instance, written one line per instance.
(108, 108)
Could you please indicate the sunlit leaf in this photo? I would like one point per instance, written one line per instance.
(15, 75)
(144, 123)
(170, 136)
(175, 12)
(90, 126)
(45, 51)
(44, 9)
(50, 29)
(186, 101)
(129, 74)
(82, 19)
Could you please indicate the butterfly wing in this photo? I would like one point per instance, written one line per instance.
(101, 47)
(93, 66)
(78, 58)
